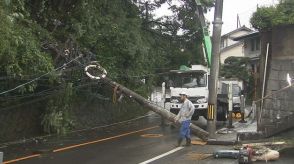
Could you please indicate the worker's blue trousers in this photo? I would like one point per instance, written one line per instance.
(185, 129)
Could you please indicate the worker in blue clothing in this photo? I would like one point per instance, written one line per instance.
(184, 118)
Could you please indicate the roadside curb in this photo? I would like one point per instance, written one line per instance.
(243, 136)
(221, 142)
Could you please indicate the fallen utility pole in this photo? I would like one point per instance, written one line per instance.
(202, 134)
(214, 71)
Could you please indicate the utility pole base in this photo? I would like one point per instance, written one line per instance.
(230, 126)
(242, 118)
(243, 121)
(211, 129)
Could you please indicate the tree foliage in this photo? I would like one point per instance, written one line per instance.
(267, 17)
(56, 118)
(20, 53)
(235, 67)
(123, 35)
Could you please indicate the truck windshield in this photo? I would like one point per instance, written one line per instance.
(188, 80)
(236, 90)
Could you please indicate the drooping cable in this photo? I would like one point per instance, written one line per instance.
(64, 65)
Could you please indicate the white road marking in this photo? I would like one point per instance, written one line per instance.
(162, 155)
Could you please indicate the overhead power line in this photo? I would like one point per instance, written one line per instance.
(43, 97)
(64, 65)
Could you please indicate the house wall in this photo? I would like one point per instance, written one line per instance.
(228, 40)
(235, 51)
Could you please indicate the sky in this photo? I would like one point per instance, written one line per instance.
(244, 8)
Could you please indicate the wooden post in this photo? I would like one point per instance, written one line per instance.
(242, 106)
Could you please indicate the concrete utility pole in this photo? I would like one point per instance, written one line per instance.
(214, 71)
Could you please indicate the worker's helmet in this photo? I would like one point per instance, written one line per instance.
(183, 93)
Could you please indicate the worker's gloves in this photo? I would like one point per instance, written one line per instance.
(177, 119)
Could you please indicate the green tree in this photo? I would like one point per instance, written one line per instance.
(267, 17)
(20, 53)
(235, 67)
(122, 35)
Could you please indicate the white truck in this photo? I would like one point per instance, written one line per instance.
(193, 81)
(222, 97)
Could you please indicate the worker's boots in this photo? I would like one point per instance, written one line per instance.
(179, 142)
(188, 141)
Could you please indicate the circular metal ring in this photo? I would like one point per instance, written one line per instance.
(97, 66)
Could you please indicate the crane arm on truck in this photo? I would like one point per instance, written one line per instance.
(206, 37)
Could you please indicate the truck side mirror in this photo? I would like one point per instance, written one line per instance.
(242, 92)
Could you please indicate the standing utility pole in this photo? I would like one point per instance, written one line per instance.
(238, 21)
(214, 71)
(230, 102)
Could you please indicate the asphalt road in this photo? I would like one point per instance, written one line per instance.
(121, 143)
(139, 141)
(130, 142)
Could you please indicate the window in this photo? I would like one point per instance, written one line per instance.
(224, 42)
(255, 44)
(252, 67)
(252, 42)
(189, 80)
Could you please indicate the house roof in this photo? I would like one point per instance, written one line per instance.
(243, 28)
(246, 36)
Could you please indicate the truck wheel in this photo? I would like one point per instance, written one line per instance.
(205, 116)
(222, 115)
(195, 117)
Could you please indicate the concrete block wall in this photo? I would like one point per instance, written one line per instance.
(278, 111)
(279, 105)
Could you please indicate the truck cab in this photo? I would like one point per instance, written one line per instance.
(193, 81)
